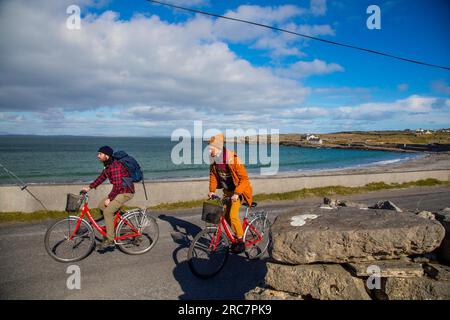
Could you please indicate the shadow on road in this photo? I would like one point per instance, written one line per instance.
(183, 231)
(239, 275)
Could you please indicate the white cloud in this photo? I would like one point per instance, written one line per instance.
(154, 76)
(153, 113)
(266, 15)
(313, 30)
(342, 90)
(374, 111)
(414, 111)
(5, 116)
(278, 43)
(318, 7)
(189, 2)
(302, 69)
(240, 32)
(110, 62)
(304, 113)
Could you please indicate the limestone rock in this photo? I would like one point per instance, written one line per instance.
(334, 203)
(325, 282)
(352, 235)
(437, 271)
(386, 205)
(259, 293)
(422, 288)
(444, 218)
(426, 215)
(421, 259)
(388, 268)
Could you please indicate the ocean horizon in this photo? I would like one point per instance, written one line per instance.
(72, 159)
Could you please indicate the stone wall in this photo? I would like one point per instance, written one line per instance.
(339, 252)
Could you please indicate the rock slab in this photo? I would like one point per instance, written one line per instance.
(259, 293)
(352, 235)
(325, 282)
(444, 218)
(422, 288)
(388, 268)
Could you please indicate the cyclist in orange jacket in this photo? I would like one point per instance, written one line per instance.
(227, 172)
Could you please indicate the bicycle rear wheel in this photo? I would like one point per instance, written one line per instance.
(63, 245)
(257, 237)
(145, 225)
(208, 253)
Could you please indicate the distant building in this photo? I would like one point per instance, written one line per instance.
(313, 139)
(424, 131)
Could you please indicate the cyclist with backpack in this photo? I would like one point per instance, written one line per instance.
(122, 191)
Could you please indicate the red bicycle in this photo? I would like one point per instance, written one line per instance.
(73, 238)
(209, 250)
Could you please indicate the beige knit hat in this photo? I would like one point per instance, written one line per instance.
(217, 141)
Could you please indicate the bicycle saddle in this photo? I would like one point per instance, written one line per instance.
(254, 204)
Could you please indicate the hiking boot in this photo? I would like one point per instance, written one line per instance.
(238, 247)
(106, 245)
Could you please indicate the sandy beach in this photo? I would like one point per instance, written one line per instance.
(425, 162)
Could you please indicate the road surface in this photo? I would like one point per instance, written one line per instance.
(27, 272)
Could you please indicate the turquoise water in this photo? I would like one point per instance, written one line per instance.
(63, 159)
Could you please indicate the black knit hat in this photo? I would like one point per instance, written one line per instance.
(106, 150)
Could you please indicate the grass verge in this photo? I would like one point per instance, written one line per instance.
(292, 195)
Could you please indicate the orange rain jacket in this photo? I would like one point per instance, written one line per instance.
(239, 174)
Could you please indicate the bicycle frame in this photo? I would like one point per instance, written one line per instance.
(102, 230)
(231, 237)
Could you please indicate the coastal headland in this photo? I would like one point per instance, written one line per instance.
(400, 141)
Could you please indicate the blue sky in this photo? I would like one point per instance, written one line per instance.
(151, 69)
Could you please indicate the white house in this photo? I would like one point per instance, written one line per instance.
(313, 139)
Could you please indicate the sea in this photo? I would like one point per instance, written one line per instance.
(73, 159)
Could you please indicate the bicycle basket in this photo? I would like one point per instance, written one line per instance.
(212, 211)
(73, 202)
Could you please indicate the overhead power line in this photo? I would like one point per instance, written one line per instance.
(301, 35)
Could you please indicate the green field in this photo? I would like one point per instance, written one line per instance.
(374, 137)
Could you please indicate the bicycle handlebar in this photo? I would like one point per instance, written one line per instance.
(84, 195)
(223, 200)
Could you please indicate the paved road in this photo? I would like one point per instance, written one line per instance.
(27, 272)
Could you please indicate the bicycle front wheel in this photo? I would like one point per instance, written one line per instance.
(137, 233)
(208, 253)
(257, 237)
(64, 242)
